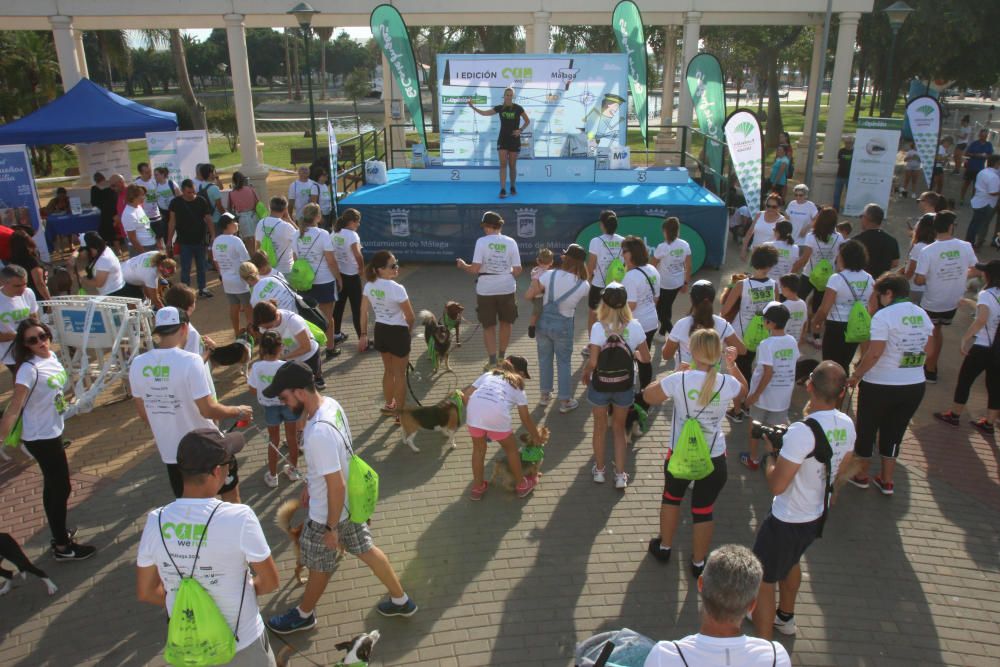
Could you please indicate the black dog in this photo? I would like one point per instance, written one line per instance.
(11, 551)
(237, 352)
(438, 339)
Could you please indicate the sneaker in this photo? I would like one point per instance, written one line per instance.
(330, 354)
(387, 608)
(930, 376)
(73, 551)
(983, 424)
(996, 242)
(662, 555)
(784, 627)
(735, 416)
(339, 338)
(621, 480)
(545, 397)
(750, 463)
(860, 481)
(5, 588)
(477, 492)
(320, 383)
(503, 193)
(487, 367)
(526, 486)
(292, 473)
(271, 481)
(205, 294)
(513, 190)
(531, 331)
(598, 474)
(696, 570)
(948, 417)
(569, 406)
(291, 621)
(884, 487)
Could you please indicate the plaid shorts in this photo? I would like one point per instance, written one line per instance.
(354, 537)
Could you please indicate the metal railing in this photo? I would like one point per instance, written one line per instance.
(367, 146)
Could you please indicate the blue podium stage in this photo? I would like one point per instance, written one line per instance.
(424, 217)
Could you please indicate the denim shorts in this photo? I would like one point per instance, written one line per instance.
(602, 399)
(276, 415)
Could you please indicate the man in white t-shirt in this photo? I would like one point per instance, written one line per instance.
(171, 393)
(800, 479)
(150, 206)
(17, 303)
(302, 191)
(943, 268)
(984, 201)
(176, 543)
(282, 234)
(328, 448)
(728, 589)
(496, 263)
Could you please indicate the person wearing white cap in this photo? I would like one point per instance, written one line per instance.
(171, 393)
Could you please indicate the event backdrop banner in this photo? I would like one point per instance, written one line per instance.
(746, 151)
(705, 82)
(576, 103)
(875, 146)
(18, 197)
(389, 30)
(923, 115)
(627, 25)
(180, 152)
(107, 157)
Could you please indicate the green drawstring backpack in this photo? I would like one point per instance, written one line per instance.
(362, 483)
(754, 333)
(692, 456)
(859, 321)
(303, 274)
(267, 246)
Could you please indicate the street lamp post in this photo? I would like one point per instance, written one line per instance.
(303, 13)
(225, 90)
(897, 14)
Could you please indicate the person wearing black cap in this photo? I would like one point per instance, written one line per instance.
(702, 317)
(563, 289)
(176, 543)
(328, 448)
(172, 394)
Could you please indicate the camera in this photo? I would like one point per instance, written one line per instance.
(774, 434)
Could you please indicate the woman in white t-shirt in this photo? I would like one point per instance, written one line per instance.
(979, 351)
(326, 196)
(267, 288)
(563, 288)
(104, 270)
(923, 236)
(228, 253)
(672, 259)
(762, 229)
(850, 284)
(393, 324)
(604, 264)
(315, 246)
(642, 284)
(135, 221)
(801, 213)
(296, 337)
(788, 252)
(702, 317)
(701, 393)
(889, 377)
(489, 401)
(818, 254)
(347, 248)
(38, 399)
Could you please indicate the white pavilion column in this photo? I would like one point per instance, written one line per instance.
(813, 96)
(666, 138)
(81, 54)
(529, 38)
(243, 101)
(69, 70)
(692, 28)
(541, 32)
(826, 170)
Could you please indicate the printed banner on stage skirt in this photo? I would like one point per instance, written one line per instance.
(180, 152)
(704, 80)
(389, 30)
(875, 146)
(924, 116)
(626, 21)
(746, 151)
(18, 197)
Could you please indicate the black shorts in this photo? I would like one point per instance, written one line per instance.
(942, 318)
(938, 170)
(705, 490)
(177, 480)
(392, 339)
(970, 174)
(511, 143)
(130, 291)
(961, 147)
(780, 546)
(594, 297)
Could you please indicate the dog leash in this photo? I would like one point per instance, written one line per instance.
(294, 651)
(410, 370)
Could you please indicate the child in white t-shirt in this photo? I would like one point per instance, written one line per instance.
(788, 285)
(275, 414)
(543, 262)
(911, 160)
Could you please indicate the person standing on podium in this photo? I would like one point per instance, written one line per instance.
(509, 139)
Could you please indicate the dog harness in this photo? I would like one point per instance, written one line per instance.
(459, 400)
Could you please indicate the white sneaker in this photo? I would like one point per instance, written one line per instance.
(621, 480)
(785, 627)
(292, 473)
(598, 474)
(545, 398)
(270, 480)
(5, 588)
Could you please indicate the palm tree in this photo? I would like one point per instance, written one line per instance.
(115, 52)
(324, 35)
(198, 119)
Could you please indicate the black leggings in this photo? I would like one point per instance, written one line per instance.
(885, 411)
(665, 308)
(978, 360)
(835, 348)
(744, 362)
(11, 551)
(352, 292)
(705, 490)
(51, 457)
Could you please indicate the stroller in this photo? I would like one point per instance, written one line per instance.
(617, 648)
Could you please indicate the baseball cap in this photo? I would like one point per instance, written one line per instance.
(225, 219)
(614, 295)
(169, 319)
(520, 364)
(777, 313)
(291, 375)
(702, 290)
(576, 252)
(202, 449)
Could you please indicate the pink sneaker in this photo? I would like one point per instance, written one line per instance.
(478, 492)
(526, 486)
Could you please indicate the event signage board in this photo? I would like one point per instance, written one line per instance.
(575, 103)
(389, 30)
(18, 197)
(333, 181)
(107, 157)
(180, 152)
(873, 163)
(923, 115)
(746, 150)
(626, 21)
(705, 83)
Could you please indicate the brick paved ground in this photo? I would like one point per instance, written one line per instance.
(903, 581)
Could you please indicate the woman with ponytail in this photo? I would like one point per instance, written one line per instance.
(347, 250)
(393, 326)
(701, 393)
(702, 317)
(788, 252)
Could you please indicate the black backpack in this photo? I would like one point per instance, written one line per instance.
(822, 452)
(615, 369)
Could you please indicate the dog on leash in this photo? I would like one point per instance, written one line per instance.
(285, 514)
(502, 477)
(238, 352)
(359, 650)
(445, 416)
(438, 339)
(11, 551)
(803, 369)
(451, 318)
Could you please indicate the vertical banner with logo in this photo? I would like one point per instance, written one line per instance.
(924, 117)
(389, 30)
(180, 152)
(875, 146)
(18, 197)
(746, 151)
(333, 181)
(708, 94)
(626, 21)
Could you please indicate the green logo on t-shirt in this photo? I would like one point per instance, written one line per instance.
(913, 320)
(192, 532)
(950, 254)
(15, 316)
(378, 293)
(783, 354)
(156, 372)
(498, 247)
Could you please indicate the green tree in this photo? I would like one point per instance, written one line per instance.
(115, 53)
(29, 79)
(323, 36)
(356, 87)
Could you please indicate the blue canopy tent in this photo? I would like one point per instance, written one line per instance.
(87, 113)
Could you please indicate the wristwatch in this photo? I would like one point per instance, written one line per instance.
(328, 529)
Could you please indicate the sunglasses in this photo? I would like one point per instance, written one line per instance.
(35, 340)
(393, 266)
